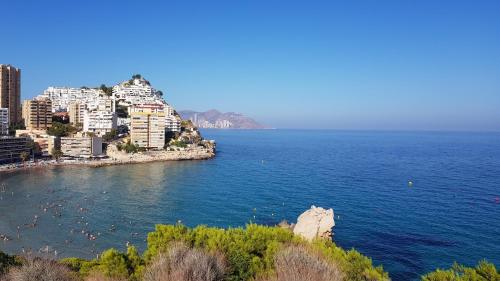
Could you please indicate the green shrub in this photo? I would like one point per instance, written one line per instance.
(6, 261)
(484, 271)
(251, 252)
(355, 266)
(179, 143)
(61, 130)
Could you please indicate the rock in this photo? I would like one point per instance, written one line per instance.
(315, 222)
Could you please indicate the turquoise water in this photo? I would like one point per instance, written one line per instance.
(451, 213)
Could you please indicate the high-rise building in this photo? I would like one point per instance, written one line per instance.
(76, 112)
(37, 114)
(148, 129)
(4, 121)
(10, 92)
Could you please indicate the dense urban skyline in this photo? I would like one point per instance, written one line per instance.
(425, 65)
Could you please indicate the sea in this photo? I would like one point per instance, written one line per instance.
(412, 201)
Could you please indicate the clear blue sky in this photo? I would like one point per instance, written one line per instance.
(418, 65)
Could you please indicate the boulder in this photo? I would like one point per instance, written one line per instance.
(315, 222)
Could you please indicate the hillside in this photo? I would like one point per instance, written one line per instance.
(216, 119)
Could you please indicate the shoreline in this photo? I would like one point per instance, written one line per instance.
(117, 159)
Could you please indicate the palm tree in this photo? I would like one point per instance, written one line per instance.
(56, 154)
(24, 156)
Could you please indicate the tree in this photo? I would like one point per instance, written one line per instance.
(121, 111)
(107, 90)
(60, 130)
(60, 119)
(56, 153)
(18, 126)
(159, 93)
(110, 135)
(24, 156)
(130, 147)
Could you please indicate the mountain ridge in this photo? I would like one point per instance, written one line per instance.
(214, 118)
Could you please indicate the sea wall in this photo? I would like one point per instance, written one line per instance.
(116, 157)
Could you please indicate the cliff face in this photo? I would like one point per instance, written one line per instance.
(206, 151)
(216, 119)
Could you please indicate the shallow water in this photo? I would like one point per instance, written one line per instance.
(451, 213)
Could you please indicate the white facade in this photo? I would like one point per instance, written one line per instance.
(4, 121)
(123, 122)
(102, 103)
(99, 122)
(62, 97)
(136, 91)
(172, 123)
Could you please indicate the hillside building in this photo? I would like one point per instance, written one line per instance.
(148, 129)
(37, 114)
(99, 122)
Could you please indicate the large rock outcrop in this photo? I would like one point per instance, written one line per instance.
(315, 222)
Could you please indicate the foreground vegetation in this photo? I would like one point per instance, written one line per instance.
(258, 253)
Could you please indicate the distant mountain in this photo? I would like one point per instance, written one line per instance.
(217, 119)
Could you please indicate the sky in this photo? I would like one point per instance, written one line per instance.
(374, 65)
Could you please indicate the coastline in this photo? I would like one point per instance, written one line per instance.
(119, 158)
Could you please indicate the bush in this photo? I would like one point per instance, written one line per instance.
(129, 147)
(61, 130)
(484, 271)
(179, 143)
(112, 265)
(249, 251)
(109, 136)
(181, 263)
(299, 263)
(355, 266)
(6, 261)
(98, 276)
(42, 270)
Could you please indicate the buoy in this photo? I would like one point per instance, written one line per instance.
(410, 183)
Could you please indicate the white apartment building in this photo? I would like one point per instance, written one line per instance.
(99, 122)
(62, 97)
(102, 103)
(147, 108)
(136, 91)
(4, 121)
(83, 147)
(172, 123)
(123, 122)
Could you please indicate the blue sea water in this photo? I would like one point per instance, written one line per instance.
(450, 213)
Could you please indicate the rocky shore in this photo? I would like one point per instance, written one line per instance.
(116, 157)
